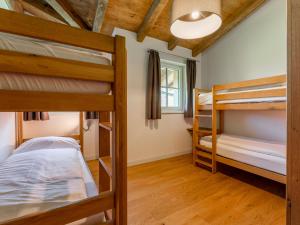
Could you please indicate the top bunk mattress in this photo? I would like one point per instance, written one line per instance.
(207, 99)
(22, 82)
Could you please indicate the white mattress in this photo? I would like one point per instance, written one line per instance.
(206, 98)
(39, 180)
(255, 152)
(9, 81)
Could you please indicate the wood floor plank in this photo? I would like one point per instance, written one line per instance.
(174, 192)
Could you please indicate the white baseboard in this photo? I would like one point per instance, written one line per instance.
(166, 156)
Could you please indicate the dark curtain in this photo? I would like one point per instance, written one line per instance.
(190, 83)
(153, 87)
(28, 116)
(91, 115)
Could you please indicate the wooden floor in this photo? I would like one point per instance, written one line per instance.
(174, 192)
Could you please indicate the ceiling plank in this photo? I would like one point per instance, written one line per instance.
(99, 16)
(15, 5)
(153, 13)
(63, 8)
(36, 9)
(172, 43)
(228, 24)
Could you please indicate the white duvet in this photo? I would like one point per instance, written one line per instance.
(35, 181)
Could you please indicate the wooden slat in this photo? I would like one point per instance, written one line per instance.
(120, 131)
(204, 154)
(99, 16)
(106, 125)
(231, 21)
(293, 114)
(204, 107)
(204, 148)
(252, 94)
(214, 132)
(69, 213)
(36, 9)
(253, 169)
(63, 8)
(253, 106)
(22, 101)
(16, 23)
(106, 164)
(203, 163)
(152, 15)
(253, 83)
(54, 67)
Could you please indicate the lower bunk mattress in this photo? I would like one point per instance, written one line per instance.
(43, 174)
(260, 153)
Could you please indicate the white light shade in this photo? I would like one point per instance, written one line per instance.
(193, 19)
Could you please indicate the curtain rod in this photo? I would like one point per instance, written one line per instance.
(172, 54)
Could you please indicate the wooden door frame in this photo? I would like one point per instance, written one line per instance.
(293, 114)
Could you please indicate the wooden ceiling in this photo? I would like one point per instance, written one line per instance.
(145, 17)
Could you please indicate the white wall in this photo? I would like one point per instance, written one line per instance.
(7, 134)
(255, 48)
(147, 140)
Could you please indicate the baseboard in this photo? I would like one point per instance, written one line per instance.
(166, 156)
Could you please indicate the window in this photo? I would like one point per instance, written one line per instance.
(172, 86)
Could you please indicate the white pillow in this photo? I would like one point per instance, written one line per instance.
(47, 143)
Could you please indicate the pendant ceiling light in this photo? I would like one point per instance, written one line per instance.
(193, 19)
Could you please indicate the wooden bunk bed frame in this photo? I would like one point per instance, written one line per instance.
(207, 157)
(20, 101)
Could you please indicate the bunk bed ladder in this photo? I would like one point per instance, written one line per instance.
(202, 155)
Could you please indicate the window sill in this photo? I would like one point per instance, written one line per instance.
(172, 113)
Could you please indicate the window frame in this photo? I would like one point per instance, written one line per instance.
(181, 86)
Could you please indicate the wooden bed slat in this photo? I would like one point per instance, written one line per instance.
(69, 213)
(20, 24)
(20, 101)
(253, 83)
(16, 62)
(252, 94)
(252, 106)
(252, 169)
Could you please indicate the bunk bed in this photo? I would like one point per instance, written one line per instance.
(33, 80)
(261, 157)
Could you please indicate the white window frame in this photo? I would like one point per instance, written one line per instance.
(182, 86)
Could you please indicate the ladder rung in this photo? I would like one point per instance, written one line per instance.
(203, 163)
(204, 154)
(204, 148)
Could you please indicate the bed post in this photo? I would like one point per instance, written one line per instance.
(214, 132)
(120, 132)
(195, 124)
(19, 128)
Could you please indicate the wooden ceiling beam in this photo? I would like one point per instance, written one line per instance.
(228, 24)
(38, 10)
(150, 18)
(15, 5)
(172, 43)
(63, 8)
(99, 16)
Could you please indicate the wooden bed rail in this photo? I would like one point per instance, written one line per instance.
(69, 213)
(29, 64)
(29, 26)
(253, 83)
